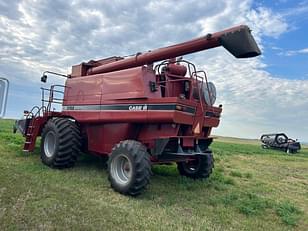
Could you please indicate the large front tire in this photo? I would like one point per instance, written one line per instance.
(129, 168)
(199, 168)
(60, 143)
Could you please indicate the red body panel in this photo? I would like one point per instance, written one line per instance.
(125, 84)
(102, 137)
(120, 105)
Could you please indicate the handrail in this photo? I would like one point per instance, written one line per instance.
(207, 86)
(51, 98)
(31, 113)
(199, 91)
(191, 70)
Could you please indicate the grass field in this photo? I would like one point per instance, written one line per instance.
(250, 189)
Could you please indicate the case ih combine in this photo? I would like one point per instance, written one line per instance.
(136, 113)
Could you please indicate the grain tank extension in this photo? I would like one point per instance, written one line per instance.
(151, 108)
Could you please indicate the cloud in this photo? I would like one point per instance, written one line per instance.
(255, 102)
(39, 38)
(9, 9)
(301, 8)
(53, 35)
(294, 52)
(266, 22)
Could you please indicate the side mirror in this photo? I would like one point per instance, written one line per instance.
(44, 78)
(4, 90)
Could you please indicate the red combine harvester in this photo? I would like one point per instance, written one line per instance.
(136, 113)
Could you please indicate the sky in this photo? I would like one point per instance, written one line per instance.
(260, 95)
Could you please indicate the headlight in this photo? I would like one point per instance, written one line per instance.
(209, 92)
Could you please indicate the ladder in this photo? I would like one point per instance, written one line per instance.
(33, 128)
(39, 116)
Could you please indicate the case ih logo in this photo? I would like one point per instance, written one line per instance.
(138, 107)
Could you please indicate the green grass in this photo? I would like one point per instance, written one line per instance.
(250, 189)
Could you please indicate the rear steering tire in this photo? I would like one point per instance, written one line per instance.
(199, 168)
(60, 143)
(129, 167)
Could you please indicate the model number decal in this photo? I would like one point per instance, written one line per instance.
(138, 107)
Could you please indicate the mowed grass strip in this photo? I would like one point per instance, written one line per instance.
(250, 189)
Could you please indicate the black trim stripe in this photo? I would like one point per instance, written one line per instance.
(212, 114)
(130, 107)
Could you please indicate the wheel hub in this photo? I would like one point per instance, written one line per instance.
(50, 144)
(192, 166)
(121, 169)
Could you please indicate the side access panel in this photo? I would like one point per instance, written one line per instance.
(101, 138)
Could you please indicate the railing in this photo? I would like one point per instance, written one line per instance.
(199, 76)
(207, 87)
(193, 74)
(191, 66)
(52, 97)
(35, 112)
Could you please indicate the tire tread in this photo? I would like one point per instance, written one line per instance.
(69, 142)
(141, 162)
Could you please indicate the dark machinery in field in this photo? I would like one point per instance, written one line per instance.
(135, 112)
(281, 142)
